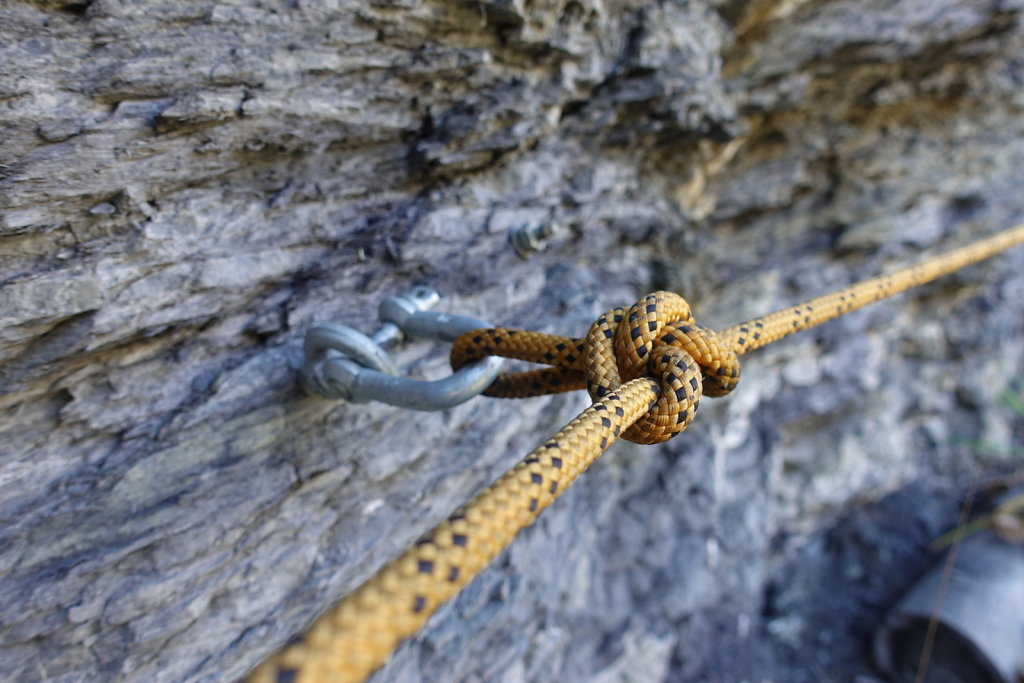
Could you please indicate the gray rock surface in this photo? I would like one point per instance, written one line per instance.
(186, 187)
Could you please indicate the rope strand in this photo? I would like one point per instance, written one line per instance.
(821, 309)
(351, 641)
(646, 368)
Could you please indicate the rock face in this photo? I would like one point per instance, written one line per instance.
(186, 187)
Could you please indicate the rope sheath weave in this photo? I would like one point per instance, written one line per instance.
(355, 638)
(646, 368)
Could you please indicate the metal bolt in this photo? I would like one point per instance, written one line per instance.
(346, 350)
(344, 363)
(395, 311)
(529, 239)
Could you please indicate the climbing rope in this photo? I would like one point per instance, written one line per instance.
(646, 368)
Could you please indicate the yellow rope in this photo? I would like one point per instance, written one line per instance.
(646, 368)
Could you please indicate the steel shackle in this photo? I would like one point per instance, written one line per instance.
(342, 362)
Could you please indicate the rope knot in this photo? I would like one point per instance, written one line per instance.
(657, 337)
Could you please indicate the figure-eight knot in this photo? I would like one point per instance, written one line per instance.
(656, 337)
